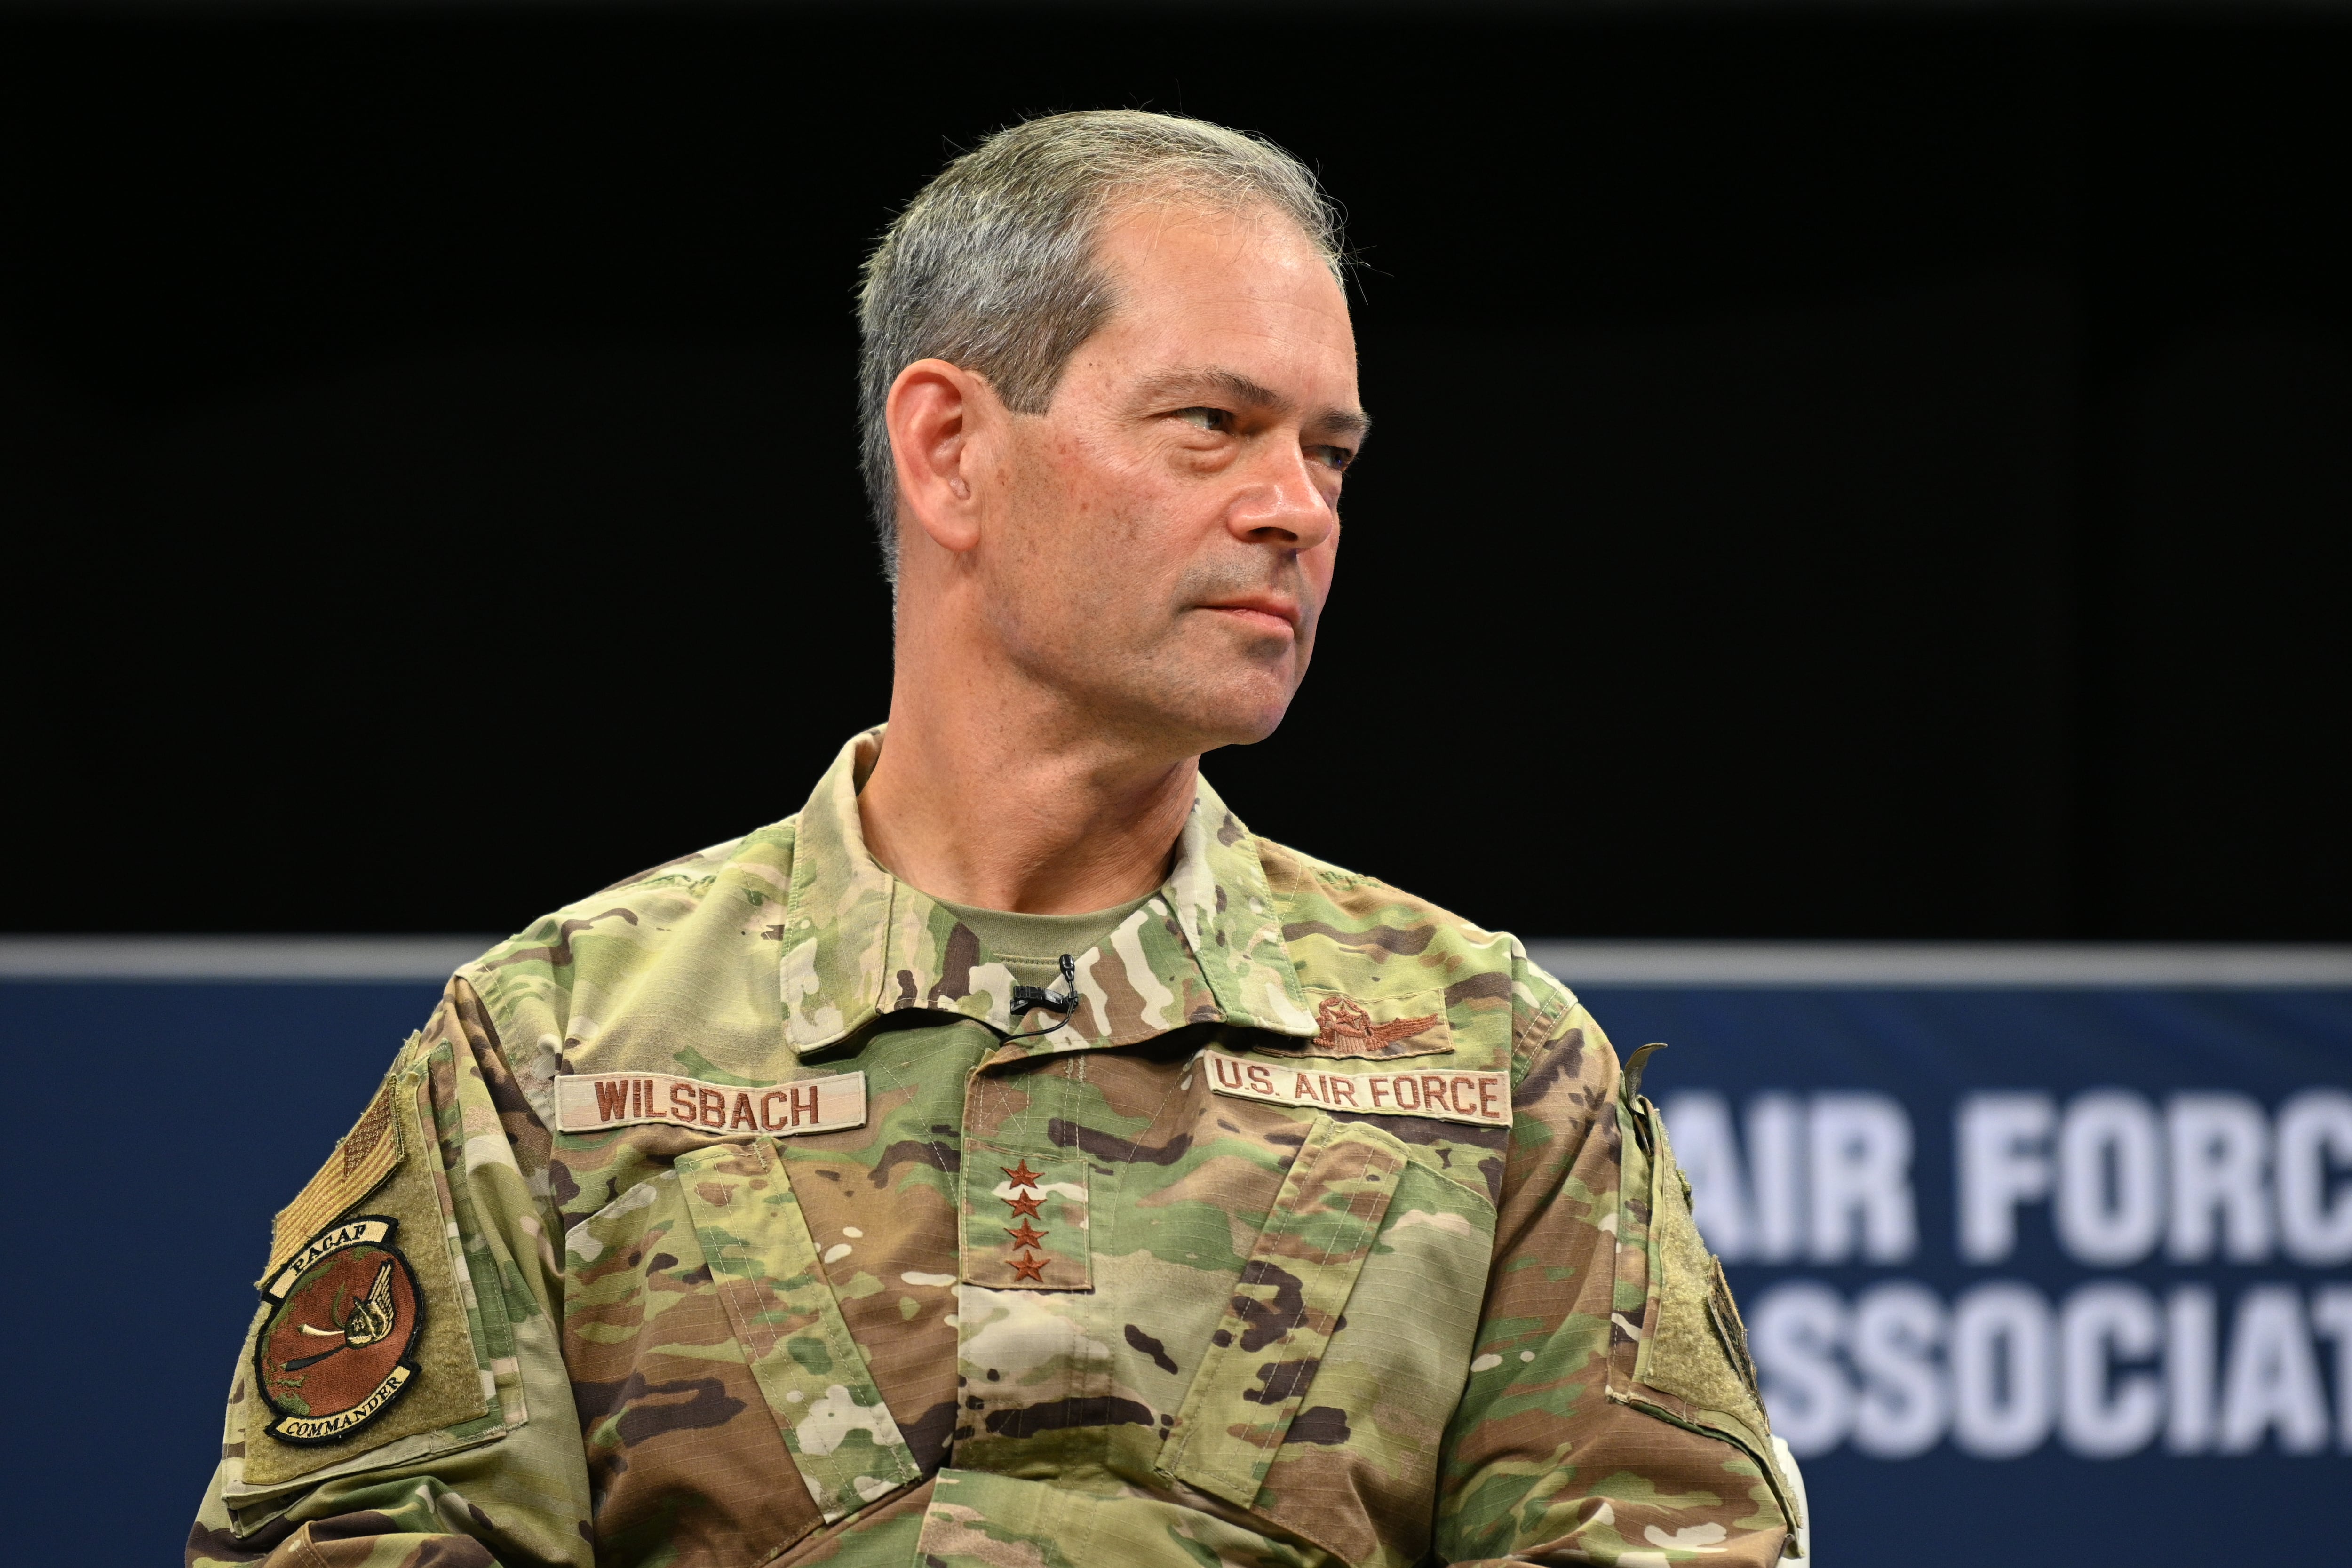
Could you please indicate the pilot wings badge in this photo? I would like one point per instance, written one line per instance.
(334, 1352)
(1343, 1028)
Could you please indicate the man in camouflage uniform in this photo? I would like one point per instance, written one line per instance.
(1010, 1159)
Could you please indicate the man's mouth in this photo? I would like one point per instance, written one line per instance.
(1265, 613)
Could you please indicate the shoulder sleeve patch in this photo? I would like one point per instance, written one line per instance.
(1697, 1347)
(364, 1337)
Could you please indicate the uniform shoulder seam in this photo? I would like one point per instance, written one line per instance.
(551, 932)
(1305, 866)
(1538, 1000)
(1542, 1022)
(548, 941)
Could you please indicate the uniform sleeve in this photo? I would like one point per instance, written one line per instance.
(1612, 1412)
(427, 1236)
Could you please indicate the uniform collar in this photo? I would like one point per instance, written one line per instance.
(858, 942)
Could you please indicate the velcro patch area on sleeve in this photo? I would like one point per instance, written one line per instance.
(1483, 1099)
(367, 1154)
(364, 1339)
(591, 1102)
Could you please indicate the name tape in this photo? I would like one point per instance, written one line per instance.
(590, 1102)
(1482, 1097)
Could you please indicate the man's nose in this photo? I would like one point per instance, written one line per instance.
(1282, 503)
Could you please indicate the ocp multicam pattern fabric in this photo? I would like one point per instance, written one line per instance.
(1057, 1302)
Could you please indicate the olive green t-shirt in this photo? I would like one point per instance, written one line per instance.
(1031, 946)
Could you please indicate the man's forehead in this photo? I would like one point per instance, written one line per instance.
(1175, 255)
(1238, 304)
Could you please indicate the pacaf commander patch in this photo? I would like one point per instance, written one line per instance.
(335, 1351)
(365, 1334)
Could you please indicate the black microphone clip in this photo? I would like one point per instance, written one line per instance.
(1027, 998)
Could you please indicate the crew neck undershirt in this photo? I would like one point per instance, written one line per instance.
(1031, 946)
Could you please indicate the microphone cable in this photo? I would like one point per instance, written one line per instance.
(1027, 999)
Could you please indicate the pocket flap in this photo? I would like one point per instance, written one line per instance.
(764, 1264)
(1283, 1311)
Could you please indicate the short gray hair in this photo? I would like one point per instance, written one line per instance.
(992, 267)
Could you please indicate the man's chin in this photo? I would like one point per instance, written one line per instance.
(1188, 707)
(1240, 724)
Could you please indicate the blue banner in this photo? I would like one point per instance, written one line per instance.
(165, 1124)
(2033, 1275)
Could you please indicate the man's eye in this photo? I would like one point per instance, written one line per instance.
(1207, 418)
(1333, 457)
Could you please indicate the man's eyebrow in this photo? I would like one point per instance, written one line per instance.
(1215, 380)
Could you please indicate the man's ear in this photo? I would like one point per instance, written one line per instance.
(940, 417)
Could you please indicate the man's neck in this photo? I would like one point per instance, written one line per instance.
(981, 808)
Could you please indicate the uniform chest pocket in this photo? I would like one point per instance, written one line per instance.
(699, 1301)
(1323, 1401)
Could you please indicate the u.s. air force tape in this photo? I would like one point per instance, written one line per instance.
(1484, 1097)
(590, 1102)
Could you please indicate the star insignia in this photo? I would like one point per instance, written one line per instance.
(1022, 1175)
(1028, 1235)
(1029, 1265)
(1027, 1207)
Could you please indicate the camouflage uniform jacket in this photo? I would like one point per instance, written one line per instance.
(744, 1224)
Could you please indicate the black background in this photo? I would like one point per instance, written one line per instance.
(1837, 475)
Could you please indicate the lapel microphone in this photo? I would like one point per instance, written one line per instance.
(1027, 999)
